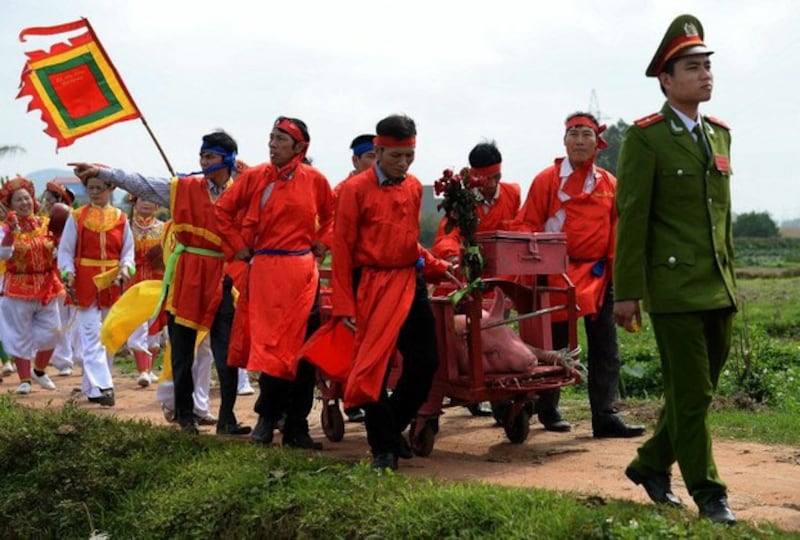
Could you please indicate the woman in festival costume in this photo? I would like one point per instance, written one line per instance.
(56, 193)
(147, 230)
(96, 258)
(57, 200)
(277, 216)
(8, 365)
(29, 319)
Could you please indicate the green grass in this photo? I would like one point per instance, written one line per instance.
(67, 473)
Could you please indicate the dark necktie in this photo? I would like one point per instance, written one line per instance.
(701, 143)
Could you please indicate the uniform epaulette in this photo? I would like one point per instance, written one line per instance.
(717, 121)
(649, 120)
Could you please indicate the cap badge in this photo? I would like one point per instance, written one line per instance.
(690, 30)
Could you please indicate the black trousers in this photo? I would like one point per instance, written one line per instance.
(387, 418)
(291, 397)
(182, 339)
(602, 358)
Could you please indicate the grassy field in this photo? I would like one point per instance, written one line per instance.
(69, 474)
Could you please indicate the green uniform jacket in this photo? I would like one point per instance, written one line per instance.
(674, 238)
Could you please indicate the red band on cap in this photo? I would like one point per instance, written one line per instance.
(585, 121)
(485, 171)
(394, 142)
(677, 45)
(284, 124)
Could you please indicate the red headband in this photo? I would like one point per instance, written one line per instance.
(485, 172)
(585, 121)
(284, 124)
(393, 142)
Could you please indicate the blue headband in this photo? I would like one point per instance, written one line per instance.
(228, 160)
(363, 148)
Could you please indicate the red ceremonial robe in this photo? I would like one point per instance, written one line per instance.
(590, 225)
(376, 230)
(282, 282)
(196, 289)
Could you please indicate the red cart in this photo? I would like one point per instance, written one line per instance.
(528, 258)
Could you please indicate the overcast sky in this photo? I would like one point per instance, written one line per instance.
(464, 70)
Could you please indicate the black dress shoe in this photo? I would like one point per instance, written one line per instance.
(355, 414)
(404, 449)
(233, 429)
(105, 399)
(613, 426)
(190, 427)
(657, 486)
(263, 432)
(479, 409)
(718, 511)
(303, 441)
(553, 421)
(384, 461)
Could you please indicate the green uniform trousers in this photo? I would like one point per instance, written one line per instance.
(693, 349)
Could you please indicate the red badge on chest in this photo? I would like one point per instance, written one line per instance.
(722, 163)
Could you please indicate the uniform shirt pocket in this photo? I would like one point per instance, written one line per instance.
(680, 183)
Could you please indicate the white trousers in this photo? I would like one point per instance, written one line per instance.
(63, 353)
(201, 373)
(27, 326)
(97, 363)
(141, 340)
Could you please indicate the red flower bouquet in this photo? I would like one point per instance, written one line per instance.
(460, 203)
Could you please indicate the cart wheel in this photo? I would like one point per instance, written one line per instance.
(518, 428)
(332, 422)
(500, 411)
(422, 438)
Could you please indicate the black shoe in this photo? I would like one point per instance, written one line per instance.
(718, 511)
(263, 432)
(657, 487)
(233, 429)
(190, 427)
(384, 461)
(355, 414)
(106, 398)
(404, 449)
(613, 426)
(479, 409)
(553, 421)
(303, 441)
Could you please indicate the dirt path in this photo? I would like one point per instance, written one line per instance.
(763, 481)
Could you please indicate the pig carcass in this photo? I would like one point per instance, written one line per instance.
(503, 350)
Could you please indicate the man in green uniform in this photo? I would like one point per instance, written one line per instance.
(674, 253)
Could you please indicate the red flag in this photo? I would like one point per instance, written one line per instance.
(74, 85)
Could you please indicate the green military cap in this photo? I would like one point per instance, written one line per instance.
(684, 37)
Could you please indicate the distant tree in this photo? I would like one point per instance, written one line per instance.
(607, 158)
(755, 225)
(10, 149)
(427, 228)
(793, 223)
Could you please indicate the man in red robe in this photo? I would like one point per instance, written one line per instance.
(200, 293)
(379, 292)
(500, 201)
(278, 216)
(576, 197)
(499, 207)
